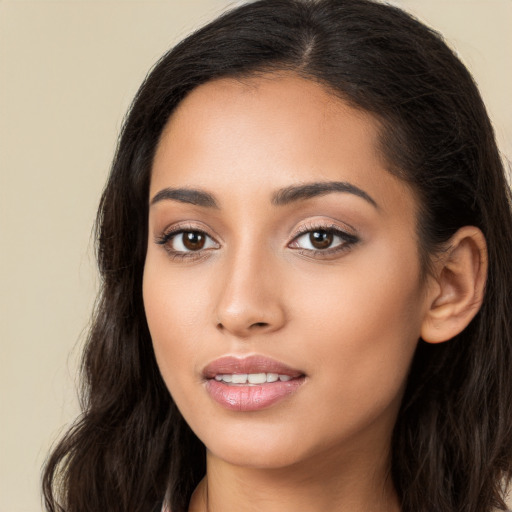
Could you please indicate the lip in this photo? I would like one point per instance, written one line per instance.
(249, 364)
(250, 397)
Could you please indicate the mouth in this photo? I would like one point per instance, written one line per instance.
(251, 383)
(251, 379)
(250, 368)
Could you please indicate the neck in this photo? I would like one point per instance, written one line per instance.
(330, 482)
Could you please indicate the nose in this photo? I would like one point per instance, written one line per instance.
(250, 300)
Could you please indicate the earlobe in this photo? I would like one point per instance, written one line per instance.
(460, 276)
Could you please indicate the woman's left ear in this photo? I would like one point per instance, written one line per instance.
(456, 288)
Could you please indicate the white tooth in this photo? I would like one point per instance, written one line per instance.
(227, 378)
(239, 378)
(284, 378)
(218, 377)
(272, 377)
(257, 378)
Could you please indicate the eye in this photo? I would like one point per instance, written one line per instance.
(323, 239)
(319, 239)
(184, 242)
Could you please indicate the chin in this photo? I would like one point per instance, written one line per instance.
(257, 458)
(255, 450)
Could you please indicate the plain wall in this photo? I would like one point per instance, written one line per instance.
(68, 71)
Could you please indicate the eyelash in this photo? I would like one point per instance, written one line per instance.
(348, 240)
(168, 236)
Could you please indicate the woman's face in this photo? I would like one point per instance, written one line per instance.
(280, 247)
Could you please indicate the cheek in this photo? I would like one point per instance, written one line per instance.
(176, 312)
(363, 323)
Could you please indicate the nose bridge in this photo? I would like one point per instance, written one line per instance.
(249, 297)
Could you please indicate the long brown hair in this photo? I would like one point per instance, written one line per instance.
(452, 444)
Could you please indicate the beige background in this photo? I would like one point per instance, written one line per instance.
(68, 70)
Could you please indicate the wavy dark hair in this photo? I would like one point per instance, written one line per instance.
(452, 444)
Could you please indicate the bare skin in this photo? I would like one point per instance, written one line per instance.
(327, 283)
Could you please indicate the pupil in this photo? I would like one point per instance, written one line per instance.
(193, 240)
(321, 239)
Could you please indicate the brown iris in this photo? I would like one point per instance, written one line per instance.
(193, 240)
(321, 239)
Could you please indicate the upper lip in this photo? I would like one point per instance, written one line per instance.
(249, 364)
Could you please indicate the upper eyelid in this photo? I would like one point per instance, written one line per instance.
(166, 237)
(185, 226)
(348, 240)
(325, 226)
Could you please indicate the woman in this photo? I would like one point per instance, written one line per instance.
(304, 243)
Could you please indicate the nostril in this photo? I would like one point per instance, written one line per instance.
(259, 324)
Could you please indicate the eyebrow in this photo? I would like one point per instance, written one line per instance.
(282, 197)
(186, 195)
(310, 190)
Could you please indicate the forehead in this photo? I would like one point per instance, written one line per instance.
(266, 131)
(283, 105)
(281, 90)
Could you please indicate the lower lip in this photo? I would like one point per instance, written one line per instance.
(251, 398)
